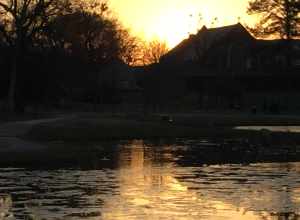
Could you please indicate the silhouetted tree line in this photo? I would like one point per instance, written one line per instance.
(51, 49)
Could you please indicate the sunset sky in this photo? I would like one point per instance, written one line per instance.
(173, 20)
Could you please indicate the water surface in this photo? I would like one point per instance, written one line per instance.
(152, 181)
(295, 129)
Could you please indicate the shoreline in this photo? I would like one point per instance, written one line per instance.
(98, 127)
(66, 141)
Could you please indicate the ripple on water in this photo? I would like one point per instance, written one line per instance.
(144, 186)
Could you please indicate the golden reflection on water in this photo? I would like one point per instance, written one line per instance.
(148, 191)
(146, 184)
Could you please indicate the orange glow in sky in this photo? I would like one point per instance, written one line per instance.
(174, 20)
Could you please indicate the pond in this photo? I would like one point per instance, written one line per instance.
(295, 129)
(152, 180)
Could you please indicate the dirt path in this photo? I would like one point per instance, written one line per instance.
(11, 131)
(18, 128)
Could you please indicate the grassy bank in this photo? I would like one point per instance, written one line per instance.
(81, 139)
(99, 127)
(81, 129)
(235, 119)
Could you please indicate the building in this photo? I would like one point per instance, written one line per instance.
(228, 68)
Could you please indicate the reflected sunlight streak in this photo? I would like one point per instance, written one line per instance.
(153, 192)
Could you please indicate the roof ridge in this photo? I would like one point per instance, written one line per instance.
(226, 26)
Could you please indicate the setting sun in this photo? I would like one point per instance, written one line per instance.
(172, 27)
(174, 20)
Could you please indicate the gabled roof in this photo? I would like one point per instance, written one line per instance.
(205, 38)
(213, 35)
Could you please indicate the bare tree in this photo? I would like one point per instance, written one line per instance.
(22, 21)
(277, 17)
(99, 7)
(130, 48)
(152, 51)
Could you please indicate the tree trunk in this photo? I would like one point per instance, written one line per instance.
(289, 55)
(13, 77)
(12, 84)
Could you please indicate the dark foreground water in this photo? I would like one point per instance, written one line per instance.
(138, 180)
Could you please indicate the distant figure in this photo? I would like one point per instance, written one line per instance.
(254, 109)
(167, 118)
